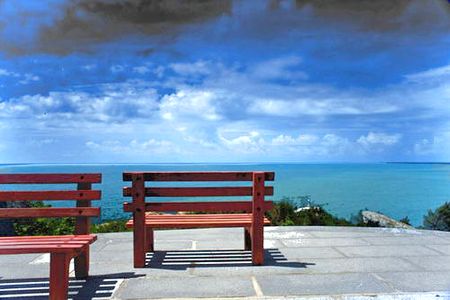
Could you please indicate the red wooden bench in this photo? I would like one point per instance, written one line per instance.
(61, 248)
(252, 219)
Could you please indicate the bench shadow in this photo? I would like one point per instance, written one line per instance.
(184, 259)
(96, 286)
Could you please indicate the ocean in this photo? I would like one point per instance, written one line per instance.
(394, 189)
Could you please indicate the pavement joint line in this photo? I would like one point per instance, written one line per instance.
(339, 251)
(284, 245)
(436, 250)
(352, 246)
(257, 287)
(117, 286)
(41, 259)
(354, 296)
(100, 248)
(368, 242)
(421, 268)
(148, 275)
(385, 282)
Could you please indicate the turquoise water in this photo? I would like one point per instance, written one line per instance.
(397, 190)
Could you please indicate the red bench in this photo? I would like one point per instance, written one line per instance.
(252, 219)
(61, 248)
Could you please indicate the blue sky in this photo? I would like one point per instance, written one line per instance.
(224, 81)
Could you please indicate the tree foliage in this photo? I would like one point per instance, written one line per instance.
(438, 219)
(301, 211)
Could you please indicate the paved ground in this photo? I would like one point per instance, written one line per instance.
(311, 262)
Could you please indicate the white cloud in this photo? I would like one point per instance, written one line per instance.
(23, 78)
(196, 68)
(159, 71)
(426, 146)
(284, 146)
(279, 68)
(4, 72)
(200, 142)
(27, 78)
(89, 67)
(233, 115)
(373, 138)
(250, 142)
(436, 147)
(190, 103)
(431, 74)
(117, 68)
(41, 142)
(301, 140)
(134, 146)
(113, 104)
(141, 70)
(318, 107)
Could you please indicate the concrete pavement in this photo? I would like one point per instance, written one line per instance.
(311, 262)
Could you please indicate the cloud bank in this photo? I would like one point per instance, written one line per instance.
(232, 81)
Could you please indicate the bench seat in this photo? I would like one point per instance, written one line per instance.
(45, 244)
(197, 220)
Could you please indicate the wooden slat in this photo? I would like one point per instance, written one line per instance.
(197, 218)
(49, 212)
(198, 206)
(49, 195)
(50, 178)
(197, 191)
(40, 249)
(197, 176)
(43, 244)
(194, 221)
(86, 237)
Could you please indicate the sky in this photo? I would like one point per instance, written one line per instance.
(134, 81)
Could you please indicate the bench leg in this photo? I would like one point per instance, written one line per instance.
(149, 239)
(82, 264)
(59, 275)
(258, 219)
(139, 235)
(257, 245)
(139, 246)
(247, 239)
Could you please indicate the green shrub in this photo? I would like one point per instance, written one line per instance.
(438, 219)
(43, 226)
(110, 226)
(405, 220)
(283, 212)
(301, 211)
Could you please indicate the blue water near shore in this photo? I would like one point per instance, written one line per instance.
(397, 190)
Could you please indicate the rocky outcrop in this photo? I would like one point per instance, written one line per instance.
(382, 220)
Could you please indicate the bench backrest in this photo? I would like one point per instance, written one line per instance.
(83, 195)
(138, 191)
